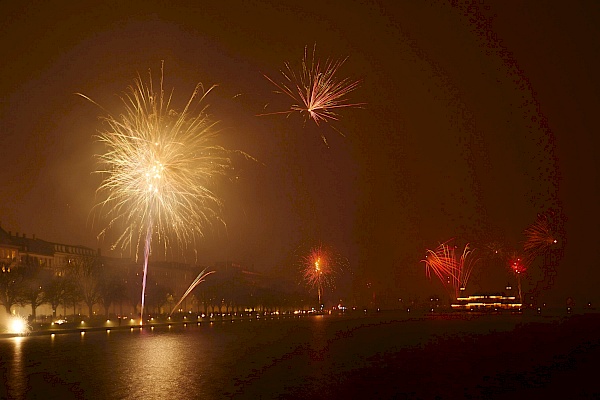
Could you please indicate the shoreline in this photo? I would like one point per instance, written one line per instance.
(108, 325)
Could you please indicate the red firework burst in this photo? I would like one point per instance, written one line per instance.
(451, 267)
(517, 265)
(540, 236)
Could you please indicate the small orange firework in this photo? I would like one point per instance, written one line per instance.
(320, 267)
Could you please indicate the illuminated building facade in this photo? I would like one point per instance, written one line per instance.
(487, 302)
(56, 256)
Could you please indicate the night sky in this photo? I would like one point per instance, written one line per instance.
(477, 118)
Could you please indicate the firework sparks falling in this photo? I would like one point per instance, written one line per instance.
(199, 279)
(320, 267)
(544, 238)
(539, 236)
(440, 262)
(451, 267)
(316, 91)
(158, 170)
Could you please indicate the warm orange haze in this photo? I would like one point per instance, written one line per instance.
(442, 137)
(290, 200)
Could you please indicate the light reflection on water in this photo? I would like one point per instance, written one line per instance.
(222, 360)
(163, 365)
(17, 370)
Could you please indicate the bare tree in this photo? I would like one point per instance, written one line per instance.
(86, 273)
(110, 290)
(72, 295)
(55, 292)
(133, 289)
(11, 277)
(35, 277)
(157, 296)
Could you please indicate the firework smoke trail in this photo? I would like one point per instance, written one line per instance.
(199, 279)
(158, 168)
(452, 270)
(317, 91)
(465, 266)
(146, 256)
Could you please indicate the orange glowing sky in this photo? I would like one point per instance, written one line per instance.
(478, 117)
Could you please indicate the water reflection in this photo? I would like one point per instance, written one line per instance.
(262, 359)
(16, 384)
(318, 345)
(161, 364)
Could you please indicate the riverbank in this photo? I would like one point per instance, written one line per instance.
(84, 324)
(127, 323)
(122, 324)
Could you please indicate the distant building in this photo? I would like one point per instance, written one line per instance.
(56, 256)
(8, 250)
(230, 287)
(487, 302)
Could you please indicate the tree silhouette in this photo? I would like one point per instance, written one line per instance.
(11, 276)
(86, 274)
(35, 278)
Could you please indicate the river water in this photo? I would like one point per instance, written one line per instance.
(384, 355)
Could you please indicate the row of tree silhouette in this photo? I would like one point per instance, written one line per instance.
(88, 281)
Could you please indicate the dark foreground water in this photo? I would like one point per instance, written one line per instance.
(382, 356)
